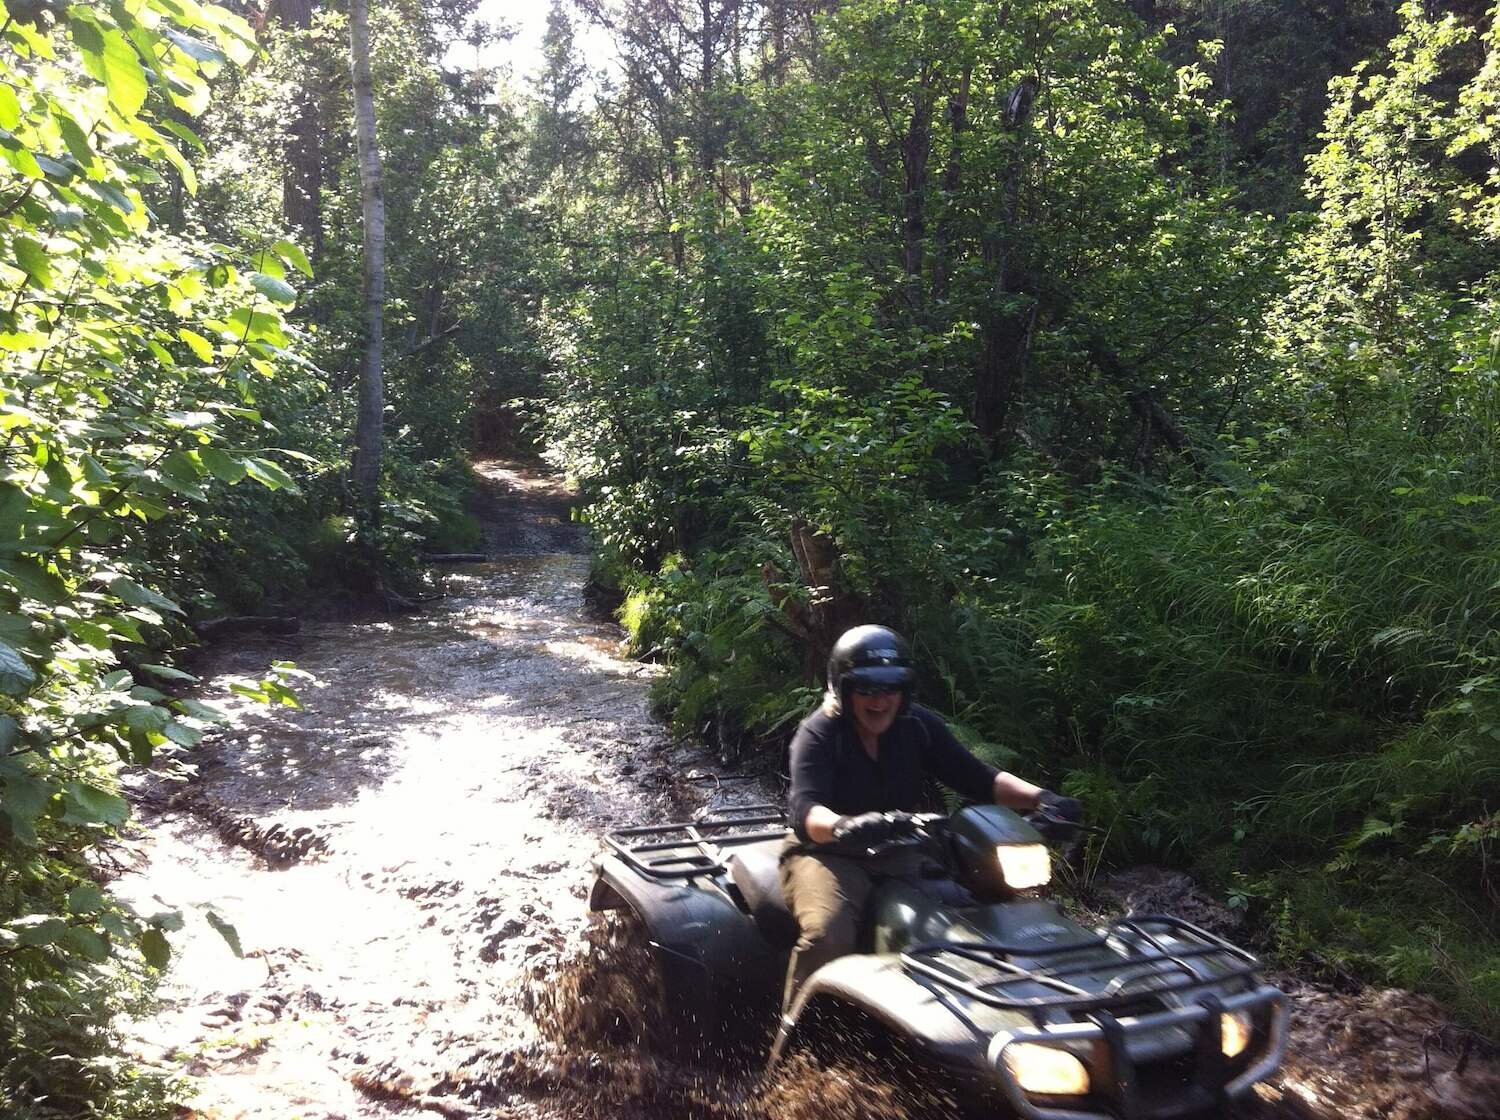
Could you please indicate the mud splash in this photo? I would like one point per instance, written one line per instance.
(407, 860)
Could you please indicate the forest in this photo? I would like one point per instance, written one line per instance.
(1140, 361)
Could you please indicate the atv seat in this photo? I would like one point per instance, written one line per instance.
(756, 871)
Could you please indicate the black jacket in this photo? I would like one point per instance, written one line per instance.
(830, 768)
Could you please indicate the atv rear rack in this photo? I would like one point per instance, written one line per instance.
(1210, 961)
(686, 849)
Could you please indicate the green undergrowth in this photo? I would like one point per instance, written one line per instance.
(1285, 679)
(712, 624)
(296, 548)
(1203, 527)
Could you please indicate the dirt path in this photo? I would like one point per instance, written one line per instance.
(406, 861)
(453, 772)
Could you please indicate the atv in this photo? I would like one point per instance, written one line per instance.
(969, 967)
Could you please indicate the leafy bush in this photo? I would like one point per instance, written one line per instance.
(128, 390)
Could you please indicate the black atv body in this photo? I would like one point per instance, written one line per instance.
(1145, 1019)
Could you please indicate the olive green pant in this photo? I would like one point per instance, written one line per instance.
(829, 895)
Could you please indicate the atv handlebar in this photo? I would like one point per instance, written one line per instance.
(1054, 827)
(908, 830)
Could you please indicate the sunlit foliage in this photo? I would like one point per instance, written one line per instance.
(131, 359)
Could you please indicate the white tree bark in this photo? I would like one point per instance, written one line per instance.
(369, 433)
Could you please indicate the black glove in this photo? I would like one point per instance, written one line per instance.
(864, 830)
(903, 825)
(1057, 818)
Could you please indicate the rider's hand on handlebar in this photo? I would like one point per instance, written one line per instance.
(1057, 818)
(903, 825)
(863, 830)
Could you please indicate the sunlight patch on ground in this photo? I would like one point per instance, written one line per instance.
(594, 656)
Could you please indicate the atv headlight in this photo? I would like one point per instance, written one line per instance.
(1234, 1033)
(1024, 865)
(1046, 1069)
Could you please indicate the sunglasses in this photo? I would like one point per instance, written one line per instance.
(873, 689)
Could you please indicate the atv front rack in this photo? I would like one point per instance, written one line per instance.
(1097, 1025)
(1178, 968)
(686, 849)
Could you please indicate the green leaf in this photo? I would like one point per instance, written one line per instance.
(196, 709)
(10, 108)
(155, 947)
(115, 197)
(34, 260)
(222, 465)
(26, 798)
(202, 349)
(268, 474)
(257, 326)
(269, 263)
(91, 805)
(146, 718)
(32, 581)
(88, 943)
(16, 677)
(195, 49)
(39, 929)
(293, 256)
(278, 291)
(128, 591)
(169, 920)
(20, 157)
(179, 163)
(109, 57)
(54, 169)
(89, 633)
(185, 134)
(75, 138)
(85, 899)
(182, 734)
(226, 931)
(167, 673)
(189, 420)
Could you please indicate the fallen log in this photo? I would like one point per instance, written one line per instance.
(456, 557)
(247, 623)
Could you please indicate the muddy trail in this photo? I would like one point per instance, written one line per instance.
(406, 862)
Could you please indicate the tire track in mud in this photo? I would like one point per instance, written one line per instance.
(407, 861)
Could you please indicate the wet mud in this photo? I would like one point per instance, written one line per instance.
(407, 858)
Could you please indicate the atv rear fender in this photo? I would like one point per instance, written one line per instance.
(692, 923)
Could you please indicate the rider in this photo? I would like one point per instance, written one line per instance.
(858, 765)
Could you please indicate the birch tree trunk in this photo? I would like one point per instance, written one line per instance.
(368, 433)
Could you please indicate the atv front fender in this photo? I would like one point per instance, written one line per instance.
(875, 986)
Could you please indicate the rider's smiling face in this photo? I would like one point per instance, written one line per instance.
(874, 714)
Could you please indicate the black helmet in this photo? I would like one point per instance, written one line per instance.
(873, 656)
